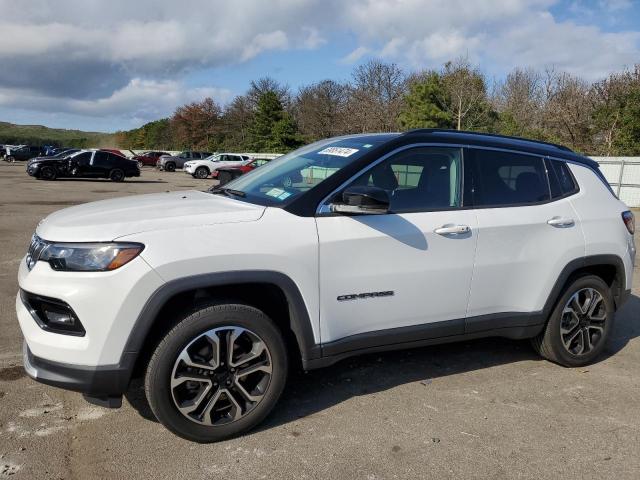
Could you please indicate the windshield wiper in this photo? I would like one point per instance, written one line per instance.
(228, 191)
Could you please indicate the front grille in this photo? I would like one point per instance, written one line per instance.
(36, 247)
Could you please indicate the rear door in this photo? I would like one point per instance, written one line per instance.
(527, 233)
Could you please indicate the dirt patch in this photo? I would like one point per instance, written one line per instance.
(9, 374)
(105, 191)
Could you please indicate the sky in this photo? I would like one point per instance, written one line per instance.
(106, 65)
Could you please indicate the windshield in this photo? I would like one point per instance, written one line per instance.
(282, 180)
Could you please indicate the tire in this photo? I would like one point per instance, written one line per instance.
(48, 173)
(116, 175)
(167, 361)
(170, 167)
(10, 159)
(201, 172)
(140, 164)
(575, 340)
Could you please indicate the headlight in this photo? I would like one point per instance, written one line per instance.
(82, 257)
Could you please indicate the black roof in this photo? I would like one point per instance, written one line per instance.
(499, 141)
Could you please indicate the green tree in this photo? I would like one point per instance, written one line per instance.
(627, 142)
(272, 128)
(422, 105)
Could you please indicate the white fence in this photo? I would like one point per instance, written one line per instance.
(623, 174)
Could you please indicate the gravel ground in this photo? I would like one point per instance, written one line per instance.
(482, 409)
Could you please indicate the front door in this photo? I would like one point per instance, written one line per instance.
(409, 269)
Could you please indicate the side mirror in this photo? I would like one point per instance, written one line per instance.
(363, 200)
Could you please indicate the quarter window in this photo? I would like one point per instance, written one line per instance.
(560, 179)
(502, 178)
(419, 179)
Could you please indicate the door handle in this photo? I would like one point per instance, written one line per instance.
(452, 229)
(561, 222)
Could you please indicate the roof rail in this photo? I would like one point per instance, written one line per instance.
(467, 132)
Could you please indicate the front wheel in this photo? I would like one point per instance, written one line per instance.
(217, 373)
(580, 324)
(10, 159)
(201, 172)
(140, 164)
(48, 173)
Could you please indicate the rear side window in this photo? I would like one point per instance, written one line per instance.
(561, 181)
(504, 179)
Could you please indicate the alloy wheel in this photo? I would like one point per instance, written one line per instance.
(221, 376)
(583, 321)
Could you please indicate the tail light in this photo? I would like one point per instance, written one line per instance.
(629, 221)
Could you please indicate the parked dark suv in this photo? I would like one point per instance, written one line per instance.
(22, 152)
(84, 164)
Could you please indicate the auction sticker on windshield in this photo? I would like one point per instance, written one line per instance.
(338, 151)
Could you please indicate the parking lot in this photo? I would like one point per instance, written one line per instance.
(482, 409)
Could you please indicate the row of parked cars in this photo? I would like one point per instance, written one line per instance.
(223, 166)
(49, 163)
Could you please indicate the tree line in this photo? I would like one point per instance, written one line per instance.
(594, 118)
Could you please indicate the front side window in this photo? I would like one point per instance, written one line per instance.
(419, 179)
(82, 159)
(504, 178)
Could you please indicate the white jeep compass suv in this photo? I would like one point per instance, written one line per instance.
(349, 245)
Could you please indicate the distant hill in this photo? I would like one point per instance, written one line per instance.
(41, 135)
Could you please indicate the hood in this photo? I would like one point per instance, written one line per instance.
(44, 159)
(107, 220)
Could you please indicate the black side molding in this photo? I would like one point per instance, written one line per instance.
(299, 316)
(592, 260)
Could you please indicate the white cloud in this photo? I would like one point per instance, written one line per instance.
(615, 4)
(142, 99)
(265, 41)
(92, 56)
(355, 55)
(496, 34)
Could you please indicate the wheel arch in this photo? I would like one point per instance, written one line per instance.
(609, 267)
(181, 294)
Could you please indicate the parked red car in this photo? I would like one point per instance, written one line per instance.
(148, 158)
(226, 174)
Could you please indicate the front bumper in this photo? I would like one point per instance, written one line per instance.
(190, 169)
(100, 382)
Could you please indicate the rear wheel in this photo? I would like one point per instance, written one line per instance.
(116, 175)
(201, 172)
(10, 158)
(218, 373)
(48, 173)
(580, 324)
(170, 167)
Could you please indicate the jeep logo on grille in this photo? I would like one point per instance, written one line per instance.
(362, 296)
